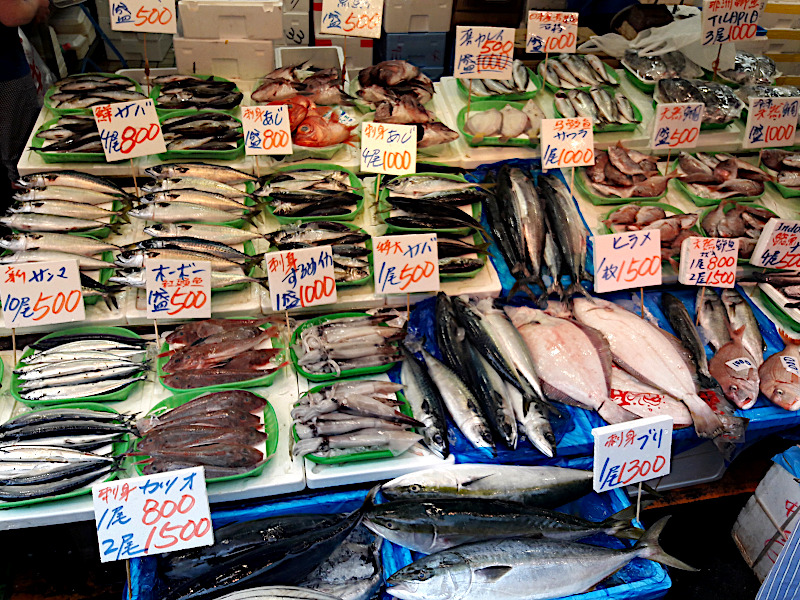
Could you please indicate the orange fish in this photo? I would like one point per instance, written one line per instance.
(299, 108)
(318, 132)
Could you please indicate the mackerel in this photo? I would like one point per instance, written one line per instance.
(84, 262)
(216, 233)
(69, 194)
(64, 208)
(176, 212)
(72, 179)
(426, 403)
(49, 223)
(78, 244)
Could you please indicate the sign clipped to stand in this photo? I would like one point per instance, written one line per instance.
(41, 293)
(484, 52)
(301, 278)
(266, 130)
(627, 260)
(730, 20)
(358, 18)
(771, 122)
(677, 125)
(129, 129)
(551, 31)
(778, 246)
(709, 261)
(178, 289)
(567, 143)
(406, 264)
(627, 453)
(154, 514)
(143, 16)
(388, 148)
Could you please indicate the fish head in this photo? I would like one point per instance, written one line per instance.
(742, 392)
(35, 180)
(25, 195)
(441, 576)
(129, 259)
(143, 211)
(160, 230)
(298, 106)
(12, 241)
(786, 395)
(403, 524)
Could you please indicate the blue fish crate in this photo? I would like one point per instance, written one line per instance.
(145, 581)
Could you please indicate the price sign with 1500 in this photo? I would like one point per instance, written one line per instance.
(144, 16)
(627, 260)
(406, 263)
(301, 278)
(567, 143)
(709, 261)
(359, 18)
(677, 125)
(41, 293)
(129, 129)
(771, 122)
(550, 31)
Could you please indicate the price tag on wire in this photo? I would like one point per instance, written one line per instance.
(778, 246)
(567, 143)
(709, 261)
(406, 263)
(358, 18)
(677, 125)
(627, 260)
(484, 52)
(730, 20)
(129, 129)
(551, 31)
(266, 130)
(771, 122)
(178, 289)
(41, 293)
(627, 453)
(388, 148)
(144, 16)
(154, 514)
(301, 278)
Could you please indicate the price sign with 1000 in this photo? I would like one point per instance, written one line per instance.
(41, 293)
(484, 52)
(677, 125)
(709, 261)
(129, 129)
(771, 122)
(567, 143)
(550, 31)
(301, 278)
(143, 16)
(730, 20)
(388, 148)
(627, 260)
(359, 18)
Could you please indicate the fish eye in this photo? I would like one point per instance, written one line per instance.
(734, 388)
(415, 487)
(779, 392)
(424, 574)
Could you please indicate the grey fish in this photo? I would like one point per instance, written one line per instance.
(72, 194)
(194, 183)
(682, 323)
(219, 279)
(82, 390)
(176, 212)
(426, 404)
(394, 440)
(61, 486)
(51, 223)
(606, 105)
(71, 179)
(740, 314)
(137, 258)
(215, 233)
(100, 373)
(219, 173)
(193, 244)
(531, 210)
(84, 245)
(64, 208)
(277, 592)
(713, 318)
(84, 262)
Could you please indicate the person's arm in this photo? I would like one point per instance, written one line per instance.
(14, 13)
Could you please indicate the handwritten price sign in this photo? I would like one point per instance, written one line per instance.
(677, 125)
(627, 260)
(266, 130)
(359, 18)
(625, 454)
(406, 263)
(178, 289)
(771, 122)
(301, 278)
(143, 516)
(730, 20)
(709, 261)
(550, 31)
(778, 246)
(129, 129)
(387, 148)
(146, 16)
(567, 143)
(484, 52)
(41, 293)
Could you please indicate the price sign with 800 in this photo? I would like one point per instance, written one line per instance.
(129, 129)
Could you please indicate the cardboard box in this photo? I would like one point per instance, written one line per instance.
(416, 16)
(296, 29)
(421, 49)
(358, 51)
(231, 59)
(239, 20)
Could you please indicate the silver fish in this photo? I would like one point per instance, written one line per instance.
(49, 223)
(63, 208)
(216, 233)
(78, 244)
(71, 194)
(176, 212)
(85, 390)
(84, 262)
(202, 171)
(740, 314)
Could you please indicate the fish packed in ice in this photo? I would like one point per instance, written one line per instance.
(623, 173)
(573, 71)
(84, 90)
(665, 66)
(720, 103)
(720, 176)
(193, 91)
(206, 130)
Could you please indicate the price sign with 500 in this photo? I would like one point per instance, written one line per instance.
(129, 129)
(677, 125)
(406, 263)
(147, 16)
(41, 293)
(360, 18)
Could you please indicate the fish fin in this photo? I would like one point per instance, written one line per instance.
(262, 281)
(253, 261)
(621, 524)
(111, 301)
(575, 287)
(473, 480)
(648, 547)
(652, 491)
(115, 227)
(787, 339)
(603, 348)
(492, 574)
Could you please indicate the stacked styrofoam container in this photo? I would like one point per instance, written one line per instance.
(297, 23)
(231, 39)
(73, 29)
(781, 19)
(358, 51)
(129, 43)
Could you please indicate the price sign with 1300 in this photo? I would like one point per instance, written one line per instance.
(266, 130)
(778, 246)
(178, 289)
(567, 143)
(627, 453)
(550, 31)
(771, 122)
(41, 293)
(677, 125)
(406, 263)
(730, 20)
(627, 260)
(301, 278)
(484, 52)
(709, 261)
(388, 148)
(154, 514)
(144, 16)
(359, 18)
(129, 129)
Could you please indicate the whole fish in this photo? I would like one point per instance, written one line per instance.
(71, 179)
(394, 440)
(83, 245)
(64, 208)
(533, 419)
(426, 403)
(52, 223)
(736, 371)
(207, 199)
(12, 493)
(84, 262)
(713, 318)
(82, 378)
(137, 258)
(740, 314)
(227, 175)
(70, 194)
(86, 390)
(278, 592)
(490, 389)
(193, 245)
(683, 325)
(176, 212)
(779, 379)
(215, 233)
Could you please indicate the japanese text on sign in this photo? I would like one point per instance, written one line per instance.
(143, 516)
(709, 261)
(677, 125)
(41, 293)
(628, 453)
(178, 289)
(301, 278)
(359, 18)
(388, 148)
(730, 20)
(778, 246)
(266, 130)
(627, 260)
(406, 263)
(771, 122)
(567, 143)
(129, 129)
(153, 16)
(484, 52)
(550, 31)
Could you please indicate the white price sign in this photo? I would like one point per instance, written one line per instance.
(154, 514)
(627, 453)
(677, 125)
(567, 143)
(129, 129)
(388, 148)
(144, 16)
(730, 20)
(301, 278)
(709, 261)
(406, 263)
(790, 364)
(778, 246)
(550, 31)
(359, 18)
(771, 122)
(178, 289)
(266, 129)
(41, 293)
(627, 260)
(484, 52)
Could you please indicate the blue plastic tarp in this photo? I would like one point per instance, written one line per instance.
(789, 460)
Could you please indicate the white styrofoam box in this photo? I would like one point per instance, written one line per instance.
(76, 41)
(776, 40)
(292, 6)
(138, 74)
(416, 16)
(784, 15)
(358, 51)
(296, 29)
(242, 20)
(132, 48)
(232, 59)
(320, 57)
(773, 506)
(70, 20)
(558, 5)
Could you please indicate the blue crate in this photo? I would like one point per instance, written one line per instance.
(421, 49)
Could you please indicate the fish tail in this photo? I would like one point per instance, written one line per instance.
(115, 226)
(621, 524)
(577, 287)
(648, 547)
(110, 299)
(253, 261)
(262, 281)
